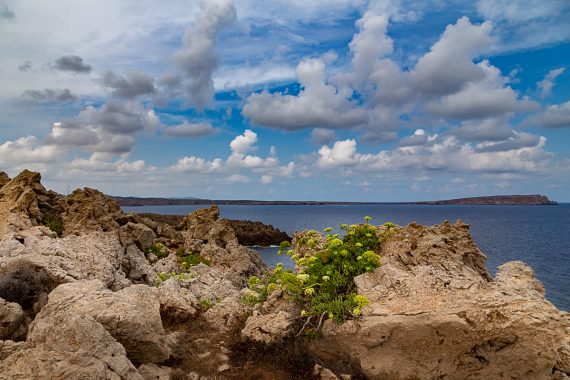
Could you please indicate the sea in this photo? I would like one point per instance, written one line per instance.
(536, 235)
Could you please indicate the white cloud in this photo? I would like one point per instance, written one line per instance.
(266, 179)
(198, 59)
(194, 164)
(244, 143)
(489, 129)
(27, 150)
(322, 136)
(553, 116)
(448, 66)
(319, 104)
(487, 97)
(342, 153)
(187, 129)
(238, 178)
(545, 86)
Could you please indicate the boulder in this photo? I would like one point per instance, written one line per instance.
(436, 313)
(88, 210)
(67, 346)
(12, 321)
(131, 316)
(250, 233)
(199, 222)
(97, 255)
(137, 233)
(268, 329)
(137, 268)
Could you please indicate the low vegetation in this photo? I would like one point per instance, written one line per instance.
(326, 266)
(54, 223)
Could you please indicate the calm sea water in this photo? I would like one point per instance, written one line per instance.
(537, 235)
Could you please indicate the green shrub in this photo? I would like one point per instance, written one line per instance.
(178, 277)
(205, 304)
(327, 264)
(158, 249)
(190, 259)
(54, 223)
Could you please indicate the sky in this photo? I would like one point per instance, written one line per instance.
(336, 100)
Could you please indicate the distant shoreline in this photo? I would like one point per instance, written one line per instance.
(535, 200)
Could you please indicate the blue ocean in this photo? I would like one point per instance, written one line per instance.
(537, 235)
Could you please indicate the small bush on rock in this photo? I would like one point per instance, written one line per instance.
(23, 282)
(326, 267)
(190, 259)
(54, 223)
(158, 249)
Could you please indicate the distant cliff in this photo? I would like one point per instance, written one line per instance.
(496, 200)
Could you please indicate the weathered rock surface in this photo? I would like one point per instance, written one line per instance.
(215, 239)
(4, 179)
(65, 346)
(89, 210)
(436, 313)
(131, 316)
(251, 233)
(12, 321)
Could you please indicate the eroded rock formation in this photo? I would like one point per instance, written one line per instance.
(87, 291)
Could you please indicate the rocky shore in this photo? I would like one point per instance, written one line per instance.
(89, 292)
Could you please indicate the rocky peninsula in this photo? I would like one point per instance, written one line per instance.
(89, 292)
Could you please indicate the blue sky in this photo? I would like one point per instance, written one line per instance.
(322, 100)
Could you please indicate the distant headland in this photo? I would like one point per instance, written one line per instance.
(487, 200)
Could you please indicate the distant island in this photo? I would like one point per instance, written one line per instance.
(488, 200)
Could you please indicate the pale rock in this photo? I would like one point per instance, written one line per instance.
(138, 234)
(131, 315)
(436, 313)
(268, 329)
(67, 346)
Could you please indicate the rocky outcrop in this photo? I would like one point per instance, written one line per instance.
(216, 240)
(4, 179)
(89, 210)
(251, 233)
(436, 313)
(12, 321)
(248, 233)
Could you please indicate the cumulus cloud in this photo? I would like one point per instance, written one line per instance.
(545, 86)
(319, 104)
(554, 116)
(48, 95)
(523, 153)
(187, 129)
(25, 151)
(322, 136)
(109, 129)
(487, 97)
(98, 162)
(419, 137)
(238, 178)
(194, 164)
(72, 63)
(197, 59)
(130, 86)
(489, 129)
(448, 66)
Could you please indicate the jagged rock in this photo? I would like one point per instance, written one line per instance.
(8, 347)
(138, 234)
(4, 179)
(96, 255)
(12, 321)
(251, 233)
(268, 329)
(89, 210)
(215, 239)
(199, 222)
(132, 315)
(323, 373)
(155, 372)
(166, 264)
(435, 312)
(272, 321)
(137, 268)
(177, 304)
(66, 346)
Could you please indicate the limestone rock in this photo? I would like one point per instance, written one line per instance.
(436, 313)
(137, 268)
(8, 347)
(12, 321)
(66, 346)
(251, 233)
(137, 233)
(199, 222)
(96, 255)
(89, 210)
(269, 328)
(132, 315)
(177, 304)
